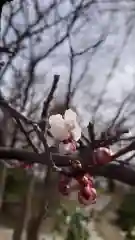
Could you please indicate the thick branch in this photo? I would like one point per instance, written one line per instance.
(32, 157)
(122, 173)
(19, 154)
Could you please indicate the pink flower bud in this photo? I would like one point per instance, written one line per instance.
(87, 196)
(86, 192)
(103, 155)
(85, 180)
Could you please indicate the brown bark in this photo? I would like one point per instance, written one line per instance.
(45, 202)
(121, 172)
(25, 212)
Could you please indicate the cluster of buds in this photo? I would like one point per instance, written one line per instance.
(84, 185)
(66, 131)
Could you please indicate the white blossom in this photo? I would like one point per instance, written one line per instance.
(58, 128)
(63, 127)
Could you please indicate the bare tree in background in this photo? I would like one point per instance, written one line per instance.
(24, 41)
(33, 34)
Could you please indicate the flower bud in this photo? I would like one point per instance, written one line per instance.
(83, 180)
(103, 155)
(87, 195)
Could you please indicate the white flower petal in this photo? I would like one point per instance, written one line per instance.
(61, 128)
(59, 132)
(70, 115)
(70, 119)
(76, 132)
(56, 119)
(58, 127)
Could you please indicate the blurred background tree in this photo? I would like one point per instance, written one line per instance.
(91, 45)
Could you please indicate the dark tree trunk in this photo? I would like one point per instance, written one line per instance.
(46, 202)
(34, 224)
(17, 234)
(25, 211)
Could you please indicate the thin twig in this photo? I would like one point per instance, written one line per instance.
(91, 134)
(26, 135)
(14, 113)
(50, 96)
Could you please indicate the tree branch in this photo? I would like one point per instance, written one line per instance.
(125, 174)
(115, 171)
(48, 101)
(14, 113)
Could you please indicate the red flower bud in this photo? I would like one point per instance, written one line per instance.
(83, 180)
(86, 192)
(82, 200)
(103, 155)
(87, 195)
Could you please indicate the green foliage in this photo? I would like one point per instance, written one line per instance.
(126, 215)
(75, 225)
